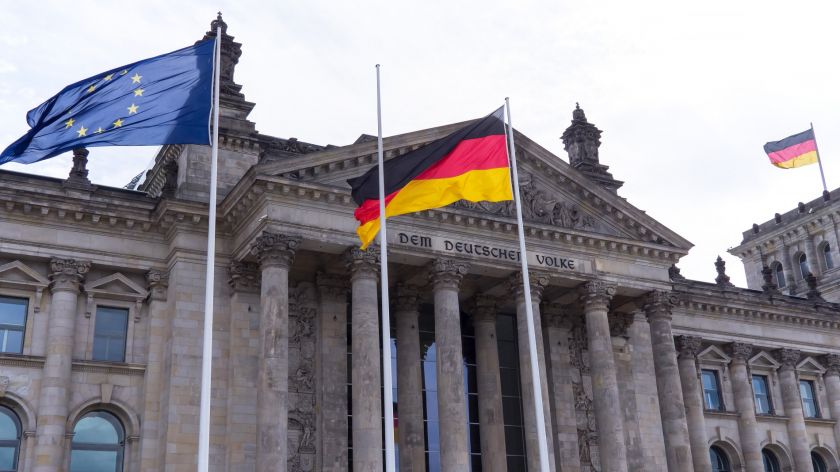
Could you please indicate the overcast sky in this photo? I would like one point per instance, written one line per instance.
(685, 92)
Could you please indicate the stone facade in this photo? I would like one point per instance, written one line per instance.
(626, 346)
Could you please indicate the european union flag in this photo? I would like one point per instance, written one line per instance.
(162, 100)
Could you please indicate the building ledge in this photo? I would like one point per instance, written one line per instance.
(21, 360)
(106, 367)
(724, 414)
(820, 421)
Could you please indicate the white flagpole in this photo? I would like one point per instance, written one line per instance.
(207, 351)
(529, 311)
(388, 401)
(819, 161)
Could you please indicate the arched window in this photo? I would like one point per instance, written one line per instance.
(771, 462)
(779, 273)
(829, 262)
(720, 463)
(818, 462)
(803, 266)
(9, 440)
(98, 440)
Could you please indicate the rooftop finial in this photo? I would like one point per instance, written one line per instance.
(722, 279)
(219, 15)
(577, 114)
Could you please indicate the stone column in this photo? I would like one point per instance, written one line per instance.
(793, 409)
(671, 404)
(558, 325)
(158, 282)
(689, 347)
(596, 296)
(275, 253)
(366, 359)
(490, 417)
(409, 381)
(332, 290)
(832, 388)
(538, 283)
(446, 275)
(66, 278)
(745, 406)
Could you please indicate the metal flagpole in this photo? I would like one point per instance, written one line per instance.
(529, 310)
(388, 401)
(819, 161)
(207, 351)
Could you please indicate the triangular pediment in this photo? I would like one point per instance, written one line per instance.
(116, 285)
(714, 355)
(764, 360)
(554, 194)
(18, 273)
(811, 366)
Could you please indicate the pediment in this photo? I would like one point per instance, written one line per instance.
(554, 194)
(18, 273)
(764, 360)
(714, 355)
(811, 366)
(116, 286)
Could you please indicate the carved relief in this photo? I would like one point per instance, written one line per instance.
(578, 347)
(302, 342)
(587, 429)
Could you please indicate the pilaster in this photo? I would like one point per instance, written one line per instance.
(689, 347)
(793, 409)
(157, 283)
(409, 380)
(745, 406)
(490, 415)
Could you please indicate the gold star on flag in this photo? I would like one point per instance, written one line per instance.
(139, 92)
(91, 88)
(99, 130)
(132, 109)
(135, 79)
(118, 123)
(82, 131)
(108, 77)
(125, 71)
(69, 123)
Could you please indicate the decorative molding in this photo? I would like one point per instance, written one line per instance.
(447, 273)
(16, 360)
(689, 346)
(484, 309)
(406, 298)
(31, 280)
(658, 304)
(157, 283)
(538, 283)
(714, 355)
(741, 351)
(832, 363)
(67, 274)
(362, 264)
(811, 366)
(788, 357)
(274, 249)
(137, 370)
(245, 277)
(596, 293)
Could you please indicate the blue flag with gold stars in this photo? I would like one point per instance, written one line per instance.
(162, 100)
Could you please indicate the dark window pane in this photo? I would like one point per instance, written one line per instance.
(510, 382)
(711, 390)
(472, 405)
(7, 458)
(505, 328)
(8, 426)
(93, 461)
(513, 440)
(512, 410)
(809, 401)
(762, 394)
(515, 464)
(13, 311)
(109, 334)
(780, 275)
(476, 463)
(475, 439)
(508, 355)
(829, 261)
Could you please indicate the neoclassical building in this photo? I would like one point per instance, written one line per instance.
(101, 309)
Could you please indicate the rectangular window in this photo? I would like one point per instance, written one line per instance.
(761, 390)
(109, 334)
(12, 324)
(809, 400)
(711, 390)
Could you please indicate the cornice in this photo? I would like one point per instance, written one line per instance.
(243, 200)
(16, 360)
(137, 370)
(792, 231)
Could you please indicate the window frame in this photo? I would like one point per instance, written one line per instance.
(827, 259)
(24, 328)
(823, 465)
(724, 458)
(769, 456)
(94, 319)
(779, 274)
(771, 410)
(814, 397)
(119, 447)
(804, 265)
(16, 443)
(719, 390)
(132, 320)
(32, 301)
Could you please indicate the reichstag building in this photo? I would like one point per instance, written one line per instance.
(101, 305)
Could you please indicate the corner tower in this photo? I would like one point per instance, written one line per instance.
(582, 140)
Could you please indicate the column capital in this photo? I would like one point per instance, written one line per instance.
(788, 357)
(157, 281)
(362, 263)
(740, 351)
(244, 276)
(67, 274)
(658, 304)
(539, 281)
(484, 309)
(275, 249)
(332, 286)
(447, 273)
(832, 363)
(689, 346)
(406, 297)
(596, 292)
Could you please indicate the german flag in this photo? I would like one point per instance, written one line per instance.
(469, 164)
(794, 151)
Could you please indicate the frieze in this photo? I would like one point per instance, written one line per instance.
(302, 431)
